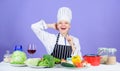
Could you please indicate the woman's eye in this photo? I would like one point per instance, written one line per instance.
(66, 22)
(60, 23)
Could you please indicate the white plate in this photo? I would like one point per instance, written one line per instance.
(36, 66)
(18, 65)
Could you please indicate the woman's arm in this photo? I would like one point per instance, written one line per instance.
(78, 48)
(71, 42)
(46, 38)
(53, 26)
(74, 42)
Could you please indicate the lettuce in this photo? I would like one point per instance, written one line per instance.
(32, 61)
(18, 57)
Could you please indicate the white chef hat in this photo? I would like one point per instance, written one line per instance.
(64, 13)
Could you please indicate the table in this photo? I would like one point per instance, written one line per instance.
(7, 67)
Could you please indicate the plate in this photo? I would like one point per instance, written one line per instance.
(18, 65)
(36, 66)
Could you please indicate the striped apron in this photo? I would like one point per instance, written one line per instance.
(61, 51)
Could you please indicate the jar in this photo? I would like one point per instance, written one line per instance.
(7, 57)
(111, 56)
(103, 52)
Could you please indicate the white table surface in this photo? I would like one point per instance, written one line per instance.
(7, 67)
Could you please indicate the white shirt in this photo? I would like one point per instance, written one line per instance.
(49, 40)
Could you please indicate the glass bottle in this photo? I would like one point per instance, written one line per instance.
(7, 57)
(103, 52)
(111, 56)
(18, 47)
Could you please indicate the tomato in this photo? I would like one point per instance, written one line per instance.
(84, 61)
(78, 65)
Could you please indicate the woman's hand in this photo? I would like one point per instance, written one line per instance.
(54, 26)
(70, 40)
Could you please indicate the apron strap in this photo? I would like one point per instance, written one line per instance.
(57, 38)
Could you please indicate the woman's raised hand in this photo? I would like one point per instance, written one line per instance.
(54, 26)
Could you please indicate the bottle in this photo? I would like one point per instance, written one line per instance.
(111, 56)
(7, 57)
(103, 52)
(18, 47)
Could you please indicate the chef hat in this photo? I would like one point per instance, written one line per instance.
(64, 13)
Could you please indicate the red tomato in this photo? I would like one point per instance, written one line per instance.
(78, 65)
(84, 61)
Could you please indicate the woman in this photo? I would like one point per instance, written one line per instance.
(61, 45)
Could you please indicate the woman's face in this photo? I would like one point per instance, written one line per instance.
(63, 26)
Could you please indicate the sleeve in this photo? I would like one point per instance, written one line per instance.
(46, 38)
(78, 48)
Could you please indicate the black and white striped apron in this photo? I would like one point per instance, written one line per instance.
(61, 51)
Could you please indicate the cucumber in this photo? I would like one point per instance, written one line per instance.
(67, 64)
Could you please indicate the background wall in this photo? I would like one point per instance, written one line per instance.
(95, 22)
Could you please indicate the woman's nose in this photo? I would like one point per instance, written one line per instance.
(63, 24)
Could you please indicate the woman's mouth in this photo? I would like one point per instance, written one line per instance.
(63, 28)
